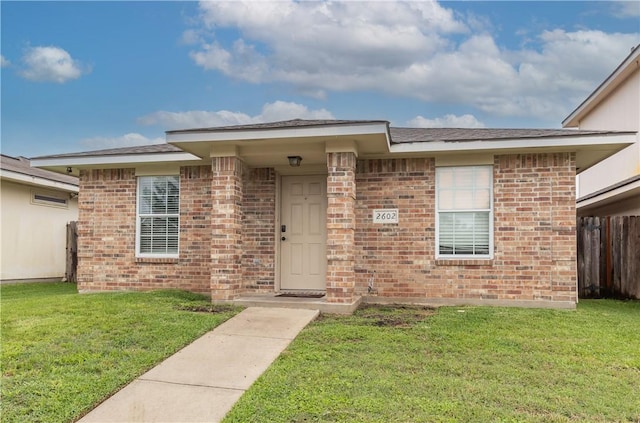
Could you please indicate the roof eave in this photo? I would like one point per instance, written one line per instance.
(594, 148)
(60, 164)
(328, 130)
(625, 138)
(36, 181)
(610, 195)
(281, 141)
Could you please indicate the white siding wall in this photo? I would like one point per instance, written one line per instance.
(620, 111)
(622, 165)
(33, 235)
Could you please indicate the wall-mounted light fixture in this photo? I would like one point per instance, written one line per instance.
(294, 161)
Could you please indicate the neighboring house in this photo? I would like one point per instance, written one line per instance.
(612, 187)
(36, 206)
(355, 209)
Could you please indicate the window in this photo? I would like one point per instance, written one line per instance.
(464, 218)
(158, 228)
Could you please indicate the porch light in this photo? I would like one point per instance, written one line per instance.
(294, 161)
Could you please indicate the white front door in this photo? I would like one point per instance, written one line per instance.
(303, 245)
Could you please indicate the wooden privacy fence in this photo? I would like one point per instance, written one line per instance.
(70, 274)
(609, 257)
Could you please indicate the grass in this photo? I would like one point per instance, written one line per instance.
(63, 353)
(480, 364)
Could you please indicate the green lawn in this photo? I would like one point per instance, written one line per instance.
(62, 353)
(457, 364)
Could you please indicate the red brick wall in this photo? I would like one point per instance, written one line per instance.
(226, 227)
(341, 222)
(534, 232)
(228, 238)
(258, 230)
(107, 228)
(396, 257)
(195, 230)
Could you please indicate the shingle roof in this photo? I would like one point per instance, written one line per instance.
(402, 135)
(22, 165)
(123, 151)
(407, 135)
(294, 123)
(398, 135)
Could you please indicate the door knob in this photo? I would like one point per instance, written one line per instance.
(284, 238)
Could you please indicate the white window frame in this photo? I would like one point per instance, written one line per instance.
(440, 256)
(140, 216)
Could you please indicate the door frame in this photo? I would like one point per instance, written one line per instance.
(276, 229)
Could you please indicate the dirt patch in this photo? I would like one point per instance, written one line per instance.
(206, 308)
(393, 315)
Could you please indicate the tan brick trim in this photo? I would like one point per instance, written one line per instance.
(464, 262)
(163, 260)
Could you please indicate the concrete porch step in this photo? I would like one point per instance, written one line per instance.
(321, 304)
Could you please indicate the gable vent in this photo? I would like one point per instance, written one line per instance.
(49, 200)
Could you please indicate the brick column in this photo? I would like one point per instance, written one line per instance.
(341, 223)
(226, 228)
(563, 220)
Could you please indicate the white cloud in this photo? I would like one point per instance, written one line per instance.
(271, 112)
(569, 66)
(282, 110)
(190, 37)
(194, 119)
(243, 62)
(446, 121)
(50, 64)
(626, 9)
(127, 140)
(410, 49)
(4, 62)
(312, 41)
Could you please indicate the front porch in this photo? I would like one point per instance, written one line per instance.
(296, 233)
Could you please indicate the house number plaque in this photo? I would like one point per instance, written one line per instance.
(385, 216)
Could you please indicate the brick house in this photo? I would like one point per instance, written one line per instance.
(354, 209)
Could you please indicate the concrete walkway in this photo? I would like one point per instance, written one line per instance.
(201, 382)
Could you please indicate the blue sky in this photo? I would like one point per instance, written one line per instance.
(80, 76)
